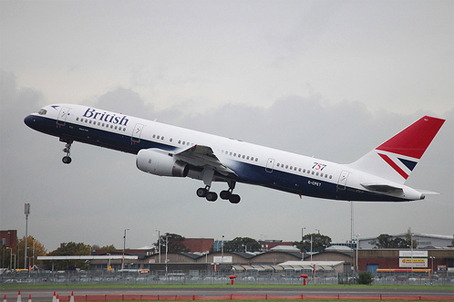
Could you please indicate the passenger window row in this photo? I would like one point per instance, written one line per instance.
(229, 153)
(106, 125)
(239, 155)
(304, 171)
(158, 137)
(184, 143)
(180, 142)
(233, 154)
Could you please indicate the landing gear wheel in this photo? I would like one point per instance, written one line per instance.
(66, 160)
(201, 192)
(234, 198)
(211, 196)
(225, 195)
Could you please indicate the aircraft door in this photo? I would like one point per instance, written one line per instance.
(342, 182)
(61, 119)
(136, 133)
(269, 165)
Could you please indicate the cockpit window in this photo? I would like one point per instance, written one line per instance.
(42, 112)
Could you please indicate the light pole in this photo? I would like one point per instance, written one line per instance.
(124, 247)
(318, 232)
(302, 233)
(159, 246)
(357, 245)
(411, 249)
(222, 249)
(34, 257)
(16, 263)
(432, 258)
(311, 247)
(10, 258)
(26, 212)
(303, 251)
(167, 247)
(108, 263)
(352, 224)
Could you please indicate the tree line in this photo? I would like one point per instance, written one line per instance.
(174, 243)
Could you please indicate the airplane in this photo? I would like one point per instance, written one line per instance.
(167, 150)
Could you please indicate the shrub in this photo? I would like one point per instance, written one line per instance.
(365, 278)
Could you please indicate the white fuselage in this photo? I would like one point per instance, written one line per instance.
(251, 163)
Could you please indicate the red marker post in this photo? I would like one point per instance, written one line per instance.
(304, 279)
(232, 277)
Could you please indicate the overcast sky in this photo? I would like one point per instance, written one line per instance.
(330, 79)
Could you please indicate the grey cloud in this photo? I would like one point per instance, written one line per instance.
(125, 101)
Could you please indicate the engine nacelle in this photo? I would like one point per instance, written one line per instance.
(160, 163)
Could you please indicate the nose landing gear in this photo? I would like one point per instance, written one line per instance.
(67, 159)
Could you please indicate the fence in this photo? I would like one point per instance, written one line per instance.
(203, 277)
(132, 297)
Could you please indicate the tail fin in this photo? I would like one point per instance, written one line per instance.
(396, 158)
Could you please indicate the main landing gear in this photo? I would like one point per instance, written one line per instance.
(226, 194)
(67, 159)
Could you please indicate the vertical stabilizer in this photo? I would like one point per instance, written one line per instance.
(396, 158)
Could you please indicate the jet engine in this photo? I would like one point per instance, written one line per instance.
(160, 163)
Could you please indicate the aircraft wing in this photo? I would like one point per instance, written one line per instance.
(203, 156)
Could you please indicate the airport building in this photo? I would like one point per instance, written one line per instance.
(8, 239)
(422, 240)
(433, 253)
(437, 260)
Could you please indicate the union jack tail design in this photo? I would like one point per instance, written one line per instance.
(396, 158)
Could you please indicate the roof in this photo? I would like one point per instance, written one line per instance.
(326, 266)
(445, 237)
(348, 252)
(147, 247)
(312, 263)
(247, 255)
(106, 257)
(193, 255)
(285, 248)
(338, 248)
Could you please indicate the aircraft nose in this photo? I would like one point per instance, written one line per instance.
(29, 121)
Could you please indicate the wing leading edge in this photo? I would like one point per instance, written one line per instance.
(203, 156)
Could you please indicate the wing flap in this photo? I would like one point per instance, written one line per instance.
(203, 156)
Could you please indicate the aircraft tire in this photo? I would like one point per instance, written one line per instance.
(201, 192)
(66, 160)
(235, 199)
(211, 196)
(225, 195)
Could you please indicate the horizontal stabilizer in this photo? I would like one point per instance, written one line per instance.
(428, 192)
(383, 188)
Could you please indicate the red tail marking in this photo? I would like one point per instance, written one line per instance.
(394, 165)
(413, 140)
